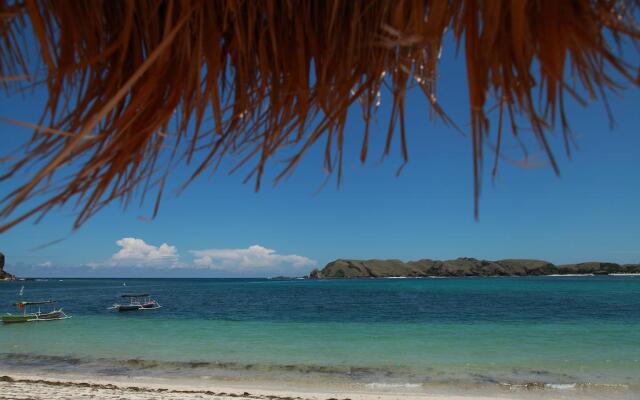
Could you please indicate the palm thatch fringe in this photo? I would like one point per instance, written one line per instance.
(129, 79)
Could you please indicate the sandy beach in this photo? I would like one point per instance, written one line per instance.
(17, 386)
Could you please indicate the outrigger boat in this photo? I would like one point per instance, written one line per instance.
(30, 314)
(137, 302)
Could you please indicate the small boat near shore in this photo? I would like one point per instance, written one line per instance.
(32, 312)
(137, 302)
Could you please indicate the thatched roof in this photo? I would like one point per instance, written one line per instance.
(130, 80)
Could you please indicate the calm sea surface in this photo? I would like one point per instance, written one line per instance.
(461, 331)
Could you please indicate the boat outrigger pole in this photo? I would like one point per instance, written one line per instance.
(31, 312)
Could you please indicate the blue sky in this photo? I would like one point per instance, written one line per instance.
(219, 227)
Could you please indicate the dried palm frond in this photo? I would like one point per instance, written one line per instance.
(127, 80)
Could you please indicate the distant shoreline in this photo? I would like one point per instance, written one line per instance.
(465, 267)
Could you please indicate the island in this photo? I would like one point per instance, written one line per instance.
(464, 266)
(5, 276)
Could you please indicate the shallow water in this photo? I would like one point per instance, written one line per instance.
(558, 331)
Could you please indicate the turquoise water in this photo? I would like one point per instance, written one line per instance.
(458, 331)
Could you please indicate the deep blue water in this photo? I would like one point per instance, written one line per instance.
(473, 330)
(468, 300)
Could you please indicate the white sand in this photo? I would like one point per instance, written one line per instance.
(18, 386)
(23, 387)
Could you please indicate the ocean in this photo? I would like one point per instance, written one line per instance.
(557, 333)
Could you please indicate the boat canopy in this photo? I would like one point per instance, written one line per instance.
(32, 303)
(136, 295)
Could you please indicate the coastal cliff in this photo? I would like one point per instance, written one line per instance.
(343, 268)
(4, 275)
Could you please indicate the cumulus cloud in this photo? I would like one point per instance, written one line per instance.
(246, 259)
(133, 249)
(137, 253)
(45, 264)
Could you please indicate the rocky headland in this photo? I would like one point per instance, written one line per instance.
(464, 266)
(3, 274)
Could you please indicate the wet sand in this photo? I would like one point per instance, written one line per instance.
(31, 387)
(18, 386)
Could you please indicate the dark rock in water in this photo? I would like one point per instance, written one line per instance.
(464, 266)
(3, 274)
(314, 274)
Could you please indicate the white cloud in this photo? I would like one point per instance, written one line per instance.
(136, 252)
(45, 264)
(246, 259)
